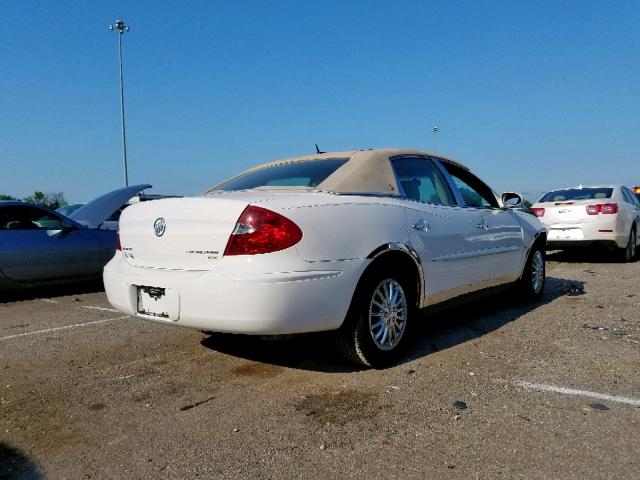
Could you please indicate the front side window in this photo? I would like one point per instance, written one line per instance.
(27, 218)
(308, 173)
(629, 197)
(422, 181)
(474, 191)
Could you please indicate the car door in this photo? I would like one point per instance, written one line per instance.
(495, 240)
(437, 228)
(38, 245)
(632, 205)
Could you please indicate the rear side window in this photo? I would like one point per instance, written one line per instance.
(308, 173)
(578, 194)
(420, 180)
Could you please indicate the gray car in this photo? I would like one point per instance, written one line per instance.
(39, 246)
(69, 209)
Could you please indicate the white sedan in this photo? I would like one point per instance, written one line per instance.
(357, 242)
(604, 215)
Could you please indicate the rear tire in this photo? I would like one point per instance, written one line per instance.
(629, 253)
(375, 330)
(531, 284)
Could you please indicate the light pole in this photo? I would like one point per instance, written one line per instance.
(120, 28)
(435, 131)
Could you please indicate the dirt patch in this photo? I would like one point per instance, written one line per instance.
(196, 404)
(338, 407)
(260, 370)
(96, 407)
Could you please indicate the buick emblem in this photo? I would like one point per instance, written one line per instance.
(159, 226)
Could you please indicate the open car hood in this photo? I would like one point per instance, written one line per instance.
(97, 211)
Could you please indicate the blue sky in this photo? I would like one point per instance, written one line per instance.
(530, 95)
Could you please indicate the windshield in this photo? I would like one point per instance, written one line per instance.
(308, 173)
(578, 194)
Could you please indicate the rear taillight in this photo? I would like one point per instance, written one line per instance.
(538, 212)
(593, 209)
(118, 246)
(259, 230)
(604, 208)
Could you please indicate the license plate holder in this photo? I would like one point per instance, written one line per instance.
(157, 302)
(565, 234)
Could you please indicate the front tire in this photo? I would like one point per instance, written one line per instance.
(629, 253)
(531, 284)
(375, 330)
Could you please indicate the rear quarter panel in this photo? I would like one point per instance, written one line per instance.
(349, 230)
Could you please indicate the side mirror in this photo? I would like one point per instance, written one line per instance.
(511, 199)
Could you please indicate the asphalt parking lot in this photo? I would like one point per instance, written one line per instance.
(492, 390)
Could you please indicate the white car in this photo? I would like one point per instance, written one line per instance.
(603, 215)
(355, 242)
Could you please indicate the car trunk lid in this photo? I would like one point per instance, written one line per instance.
(195, 230)
(567, 212)
(181, 233)
(95, 212)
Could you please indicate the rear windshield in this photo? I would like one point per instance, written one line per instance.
(578, 194)
(299, 174)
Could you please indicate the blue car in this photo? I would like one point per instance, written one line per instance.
(39, 246)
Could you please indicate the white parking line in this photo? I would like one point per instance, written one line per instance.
(48, 300)
(541, 387)
(66, 327)
(102, 309)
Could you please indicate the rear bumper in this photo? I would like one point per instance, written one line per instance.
(566, 244)
(260, 304)
(593, 234)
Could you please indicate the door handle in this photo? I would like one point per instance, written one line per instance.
(482, 226)
(421, 226)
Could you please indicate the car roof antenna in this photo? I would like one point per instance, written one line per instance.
(318, 150)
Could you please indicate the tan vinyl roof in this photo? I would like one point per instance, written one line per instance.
(366, 170)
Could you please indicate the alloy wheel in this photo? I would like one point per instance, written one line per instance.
(537, 271)
(388, 314)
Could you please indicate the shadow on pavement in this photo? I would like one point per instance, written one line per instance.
(316, 352)
(15, 465)
(89, 286)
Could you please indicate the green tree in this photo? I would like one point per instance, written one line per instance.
(55, 200)
(6, 197)
(37, 198)
(52, 200)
